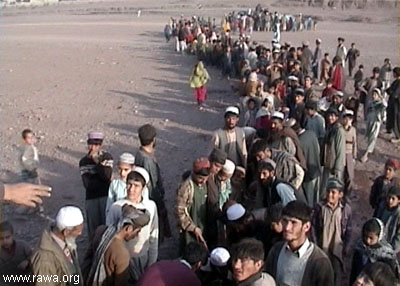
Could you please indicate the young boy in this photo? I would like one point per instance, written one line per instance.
(391, 217)
(117, 189)
(143, 249)
(14, 254)
(351, 150)
(382, 184)
(250, 115)
(333, 237)
(29, 158)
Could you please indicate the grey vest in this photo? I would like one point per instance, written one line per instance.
(234, 150)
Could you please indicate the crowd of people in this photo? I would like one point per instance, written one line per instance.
(269, 204)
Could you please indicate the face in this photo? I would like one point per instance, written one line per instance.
(371, 238)
(131, 232)
(307, 83)
(262, 155)
(243, 268)
(331, 118)
(123, 170)
(392, 201)
(215, 167)
(265, 176)
(277, 227)
(134, 190)
(223, 177)
(310, 112)
(363, 280)
(375, 96)
(30, 138)
(276, 124)
(199, 179)
(333, 196)
(6, 239)
(94, 148)
(337, 100)
(347, 120)
(294, 229)
(231, 121)
(299, 99)
(251, 105)
(389, 172)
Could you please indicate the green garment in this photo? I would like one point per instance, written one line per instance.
(225, 190)
(198, 211)
(199, 77)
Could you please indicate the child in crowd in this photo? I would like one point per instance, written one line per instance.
(14, 254)
(382, 184)
(371, 248)
(376, 274)
(250, 115)
(391, 217)
(332, 226)
(117, 189)
(358, 78)
(374, 121)
(351, 150)
(275, 230)
(29, 158)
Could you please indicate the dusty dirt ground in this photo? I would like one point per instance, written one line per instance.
(76, 67)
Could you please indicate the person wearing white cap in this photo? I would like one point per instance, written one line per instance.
(374, 122)
(144, 248)
(231, 138)
(217, 269)
(117, 189)
(351, 149)
(224, 182)
(96, 171)
(146, 158)
(57, 254)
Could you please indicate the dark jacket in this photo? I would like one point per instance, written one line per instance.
(318, 272)
(346, 224)
(312, 153)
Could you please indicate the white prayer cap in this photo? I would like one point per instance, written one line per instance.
(293, 77)
(68, 216)
(235, 212)
(143, 172)
(127, 158)
(219, 257)
(229, 167)
(339, 93)
(279, 115)
(348, 112)
(232, 109)
(95, 135)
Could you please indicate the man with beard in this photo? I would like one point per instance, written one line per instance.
(334, 150)
(57, 253)
(231, 138)
(96, 171)
(191, 204)
(298, 261)
(270, 189)
(287, 168)
(145, 158)
(284, 138)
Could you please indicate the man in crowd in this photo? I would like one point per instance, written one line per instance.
(191, 206)
(231, 138)
(334, 156)
(57, 252)
(341, 51)
(96, 171)
(298, 261)
(351, 57)
(145, 157)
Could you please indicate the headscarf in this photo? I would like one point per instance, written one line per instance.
(199, 76)
(136, 218)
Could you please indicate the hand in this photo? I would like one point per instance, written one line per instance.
(26, 194)
(199, 235)
(23, 265)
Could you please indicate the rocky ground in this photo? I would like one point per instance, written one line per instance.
(80, 66)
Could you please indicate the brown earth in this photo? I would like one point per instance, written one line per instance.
(80, 66)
